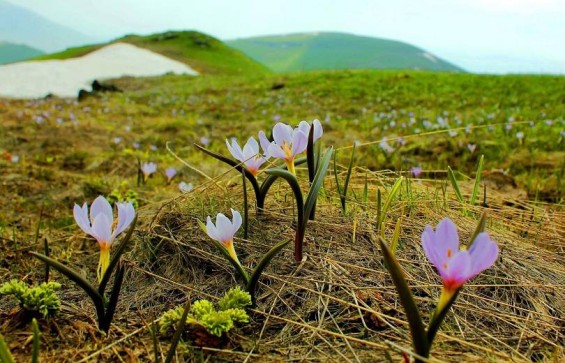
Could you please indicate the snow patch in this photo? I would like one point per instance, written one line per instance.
(64, 78)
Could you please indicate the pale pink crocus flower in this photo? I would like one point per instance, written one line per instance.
(224, 230)
(415, 171)
(289, 142)
(99, 225)
(148, 169)
(456, 266)
(249, 155)
(472, 147)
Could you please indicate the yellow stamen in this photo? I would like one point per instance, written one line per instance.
(104, 261)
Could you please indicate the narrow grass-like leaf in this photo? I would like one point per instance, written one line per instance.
(36, 340)
(5, 354)
(379, 210)
(437, 319)
(116, 288)
(366, 191)
(270, 180)
(317, 183)
(236, 165)
(46, 253)
(258, 270)
(72, 275)
(153, 331)
(310, 159)
(337, 184)
(114, 261)
(476, 187)
(178, 334)
(417, 330)
(388, 200)
(240, 270)
(245, 207)
(293, 182)
(455, 185)
(396, 236)
(480, 228)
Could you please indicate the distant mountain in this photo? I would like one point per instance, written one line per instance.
(203, 53)
(10, 53)
(22, 26)
(309, 51)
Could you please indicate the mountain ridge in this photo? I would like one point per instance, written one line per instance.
(336, 50)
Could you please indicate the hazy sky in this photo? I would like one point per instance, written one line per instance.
(478, 35)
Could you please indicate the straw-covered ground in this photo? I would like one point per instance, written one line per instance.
(339, 304)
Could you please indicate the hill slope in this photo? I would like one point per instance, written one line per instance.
(23, 26)
(10, 53)
(204, 53)
(308, 51)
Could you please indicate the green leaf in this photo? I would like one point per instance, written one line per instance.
(396, 236)
(270, 180)
(347, 178)
(455, 185)
(114, 261)
(437, 319)
(310, 159)
(476, 187)
(317, 183)
(245, 207)
(72, 275)
(417, 330)
(479, 229)
(36, 336)
(46, 253)
(252, 285)
(116, 288)
(388, 201)
(293, 182)
(5, 354)
(178, 334)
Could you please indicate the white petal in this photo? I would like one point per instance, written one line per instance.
(282, 133)
(212, 230)
(101, 206)
(126, 213)
(224, 226)
(102, 229)
(236, 221)
(81, 217)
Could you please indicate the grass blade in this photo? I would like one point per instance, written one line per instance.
(388, 201)
(46, 253)
(395, 236)
(417, 330)
(36, 337)
(245, 207)
(114, 261)
(317, 183)
(480, 228)
(455, 185)
(475, 194)
(310, 159)
(5, 354)
(178, 334)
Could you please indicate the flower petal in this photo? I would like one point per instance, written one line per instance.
(299, 142)
(431, 247)
(224, 226)
(265, 143)
(212, 230)
(81, 217)
(235, 150)
(101, 206)
(236, 221)
(483, 252)
(282, 133)
(275, 151)
(458, 271)
(318, 131)
(102, 229)
(126, 213)
(447, 238)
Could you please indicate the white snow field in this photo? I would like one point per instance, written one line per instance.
(64, 78)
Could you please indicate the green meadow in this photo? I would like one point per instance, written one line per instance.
(339, 303)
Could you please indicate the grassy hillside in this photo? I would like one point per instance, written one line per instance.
(340, 299)
(309, 51)
(202, 52)
(10, 53)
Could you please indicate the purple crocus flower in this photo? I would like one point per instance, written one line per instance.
(471, 147)
(455, 266)
(224, 230)
(185, 188)
(415, 171)
(170, 173)
(249, 155)
(99, 225)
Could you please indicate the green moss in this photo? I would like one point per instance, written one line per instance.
(40, 299)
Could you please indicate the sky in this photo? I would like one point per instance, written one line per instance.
(484, 36)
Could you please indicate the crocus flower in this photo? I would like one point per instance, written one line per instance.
(471, 147)
(249, 155)
(148, 169)
(415, 171)
(224, 230)
(170, 173)
(184, 187)
(99, 225)
(456, 266)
